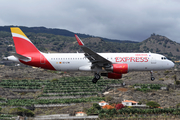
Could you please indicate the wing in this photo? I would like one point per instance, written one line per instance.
(94, 58)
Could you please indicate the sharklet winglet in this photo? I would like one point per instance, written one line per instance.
(79, 40)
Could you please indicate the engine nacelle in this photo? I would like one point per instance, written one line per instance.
(118, 68)
(112, 75)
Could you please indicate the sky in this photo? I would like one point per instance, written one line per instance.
(132, 20)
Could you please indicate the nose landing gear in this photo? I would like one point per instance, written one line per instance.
(152, 77)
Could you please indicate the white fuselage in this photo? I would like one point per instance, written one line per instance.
(135, 61)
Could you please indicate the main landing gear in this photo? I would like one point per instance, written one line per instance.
(96, 77)
(152, 78)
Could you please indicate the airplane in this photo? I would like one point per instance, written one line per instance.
(111, 65)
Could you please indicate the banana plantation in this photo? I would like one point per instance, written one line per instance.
(66, 86)
(148, 87)
(139, 113)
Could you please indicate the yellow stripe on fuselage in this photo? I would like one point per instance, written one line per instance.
(18, 31)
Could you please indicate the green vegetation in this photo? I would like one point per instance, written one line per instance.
(30, 102)
(74, 85)
(161, 79)
(166, 72)
(132, 112)
(6, 117)
(177, 82)
(94, 109)
(20, 84)
(66, 86)
(152, 104)
(147, 87)
(178, 105)
(22, 112)
(175, 77)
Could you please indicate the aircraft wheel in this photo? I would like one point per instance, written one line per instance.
(97, 76)
(94, 80)
(152, 78)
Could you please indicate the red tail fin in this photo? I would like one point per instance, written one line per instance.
(22, 44)
(27, 53)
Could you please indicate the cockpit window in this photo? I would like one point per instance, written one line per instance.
(163, 58)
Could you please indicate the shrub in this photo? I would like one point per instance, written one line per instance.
(161, 79)
(166, 72)
(119, 106)
(108, 98)
(152, 104)
(174, 76)
(108, 107)
(96, 106)
(178, 105)
(177, 82)
(21, 111)
(54, 80)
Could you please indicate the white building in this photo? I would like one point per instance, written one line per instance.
(81, 114)
(132, 103)
(129, 103)
(103, 103)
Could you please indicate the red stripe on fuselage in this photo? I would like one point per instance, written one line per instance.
(36, 60)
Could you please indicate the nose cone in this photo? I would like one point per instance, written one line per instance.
(170, 64)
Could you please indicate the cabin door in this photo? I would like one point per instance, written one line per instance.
(42, 59)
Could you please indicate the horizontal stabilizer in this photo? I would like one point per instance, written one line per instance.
(21, 57)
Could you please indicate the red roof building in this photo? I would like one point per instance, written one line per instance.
(129, 103)
(103, 103)
(81, 114)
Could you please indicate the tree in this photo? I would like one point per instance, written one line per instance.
(94, 109)
(9, 48)
(153, 34)
(174, 76)
(21, 111)
(112, 112)
(119, 106)
(96, 106)
(177, 50)
(108, 98)
(178, 105)
(108, 107)
(152, 104)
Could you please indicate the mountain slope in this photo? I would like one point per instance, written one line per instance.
(62, 44)
(161, 44)
(56, 31)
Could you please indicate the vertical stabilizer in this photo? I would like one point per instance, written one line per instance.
(22, 44)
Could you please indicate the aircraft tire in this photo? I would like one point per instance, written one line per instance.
(94, 80)
(152, 78)
(97, 76)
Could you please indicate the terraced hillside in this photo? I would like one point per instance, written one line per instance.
(57, 91)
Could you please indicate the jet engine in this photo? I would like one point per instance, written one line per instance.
(118, 68)
(112, 75)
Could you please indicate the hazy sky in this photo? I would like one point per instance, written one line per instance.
(115, 19)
